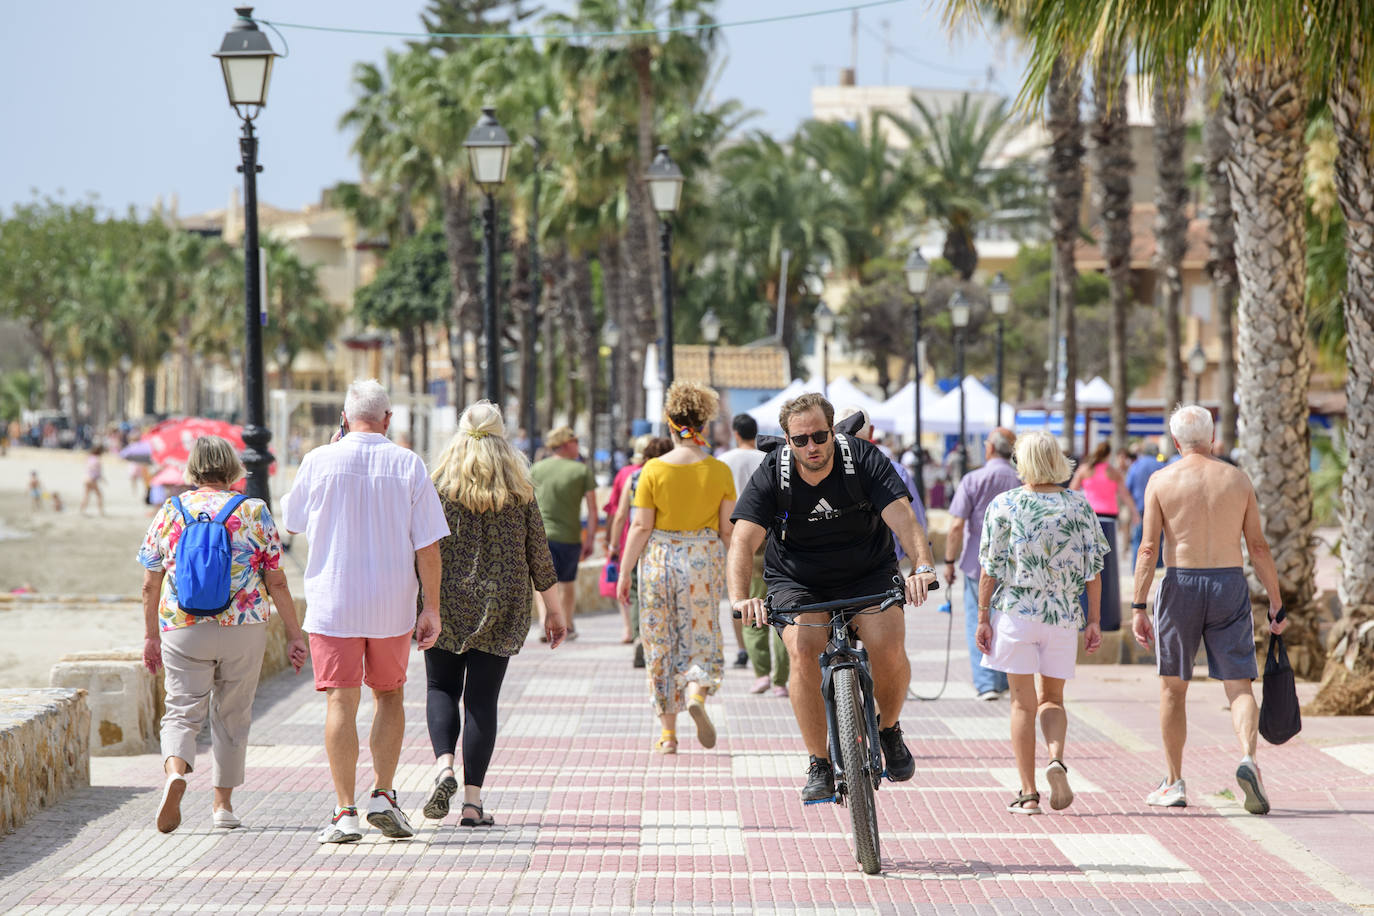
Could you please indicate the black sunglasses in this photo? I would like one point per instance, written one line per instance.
(818, 437)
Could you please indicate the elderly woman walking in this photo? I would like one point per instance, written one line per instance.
(1041, 548)
(678, 536)
(496, 549)
(212, 654)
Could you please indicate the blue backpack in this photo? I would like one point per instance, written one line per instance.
(203, 563)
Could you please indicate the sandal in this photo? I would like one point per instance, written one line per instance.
(481, 820)
(1019, 805)
(706, 730)
(1057, 775)
(445, 787)
(666, 743)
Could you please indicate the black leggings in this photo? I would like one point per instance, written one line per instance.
(445, 673)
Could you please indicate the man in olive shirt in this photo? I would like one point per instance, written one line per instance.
(561, 483)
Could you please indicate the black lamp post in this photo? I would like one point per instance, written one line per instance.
(710, 332)
(1197, 364)
(488, 147)
(959, 316)
(245, 55)
(917, 272)
(665, 189)
(610, 333)
(1000, 293)
(825, 326)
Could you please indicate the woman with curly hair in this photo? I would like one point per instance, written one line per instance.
(497, 547)
(679, 532)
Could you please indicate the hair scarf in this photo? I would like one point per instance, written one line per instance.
(686, 433)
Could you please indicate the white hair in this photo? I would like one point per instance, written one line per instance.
(844, 413)
(366, 401)
(1192, 427)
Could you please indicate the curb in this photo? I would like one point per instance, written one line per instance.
(34, 598)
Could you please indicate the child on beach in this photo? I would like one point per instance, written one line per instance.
(95, 472)
(35, 491)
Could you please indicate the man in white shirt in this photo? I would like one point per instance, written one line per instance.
(372, 518)
(742, 460)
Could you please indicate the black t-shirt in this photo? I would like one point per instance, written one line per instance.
(822, 552)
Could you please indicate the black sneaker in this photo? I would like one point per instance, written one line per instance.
(901, 766)
(742, 659)
(820, 782)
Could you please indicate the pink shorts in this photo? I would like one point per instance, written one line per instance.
(1026, 645)
(351, 661)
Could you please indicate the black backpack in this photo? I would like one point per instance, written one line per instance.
(859, 501)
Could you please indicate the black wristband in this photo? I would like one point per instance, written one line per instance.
(1137, 607)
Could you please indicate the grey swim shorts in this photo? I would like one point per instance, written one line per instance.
(1211, 606)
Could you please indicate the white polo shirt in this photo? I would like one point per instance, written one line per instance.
(367, 505)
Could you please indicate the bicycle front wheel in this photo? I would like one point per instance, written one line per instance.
(858, 775)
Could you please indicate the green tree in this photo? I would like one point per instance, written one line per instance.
(410, 293)
(300, 319)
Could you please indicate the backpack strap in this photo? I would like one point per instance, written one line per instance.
(784, 503)
(234, 502)
(851, 473)
(185, 516)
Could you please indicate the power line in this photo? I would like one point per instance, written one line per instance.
(910, 55)
(695, 27)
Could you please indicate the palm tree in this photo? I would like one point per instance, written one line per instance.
(1171, 221)
(301, 319)
(1222, 261)
(957, 154)
(1065, 180)
(1112, 167)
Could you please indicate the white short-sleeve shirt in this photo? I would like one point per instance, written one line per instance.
(366, 505)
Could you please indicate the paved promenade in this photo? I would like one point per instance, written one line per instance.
(590, 821)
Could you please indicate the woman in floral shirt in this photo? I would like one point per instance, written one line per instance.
(1041, 548)
(212, 662)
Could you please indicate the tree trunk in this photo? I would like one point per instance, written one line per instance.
(52, 395)
(588, 337)
(408, 354)
(424, 357)
(1171, 225)
(639, 265)
(188, 395)
(644, 154)
(1266, 123)
(960, 252)
(1065, 181)
(1112, 167)
(460, 247)
(553, 296)
(521, 302)
(613, 287)
(1351, 663)
(1222, 263)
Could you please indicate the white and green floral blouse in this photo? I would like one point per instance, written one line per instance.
(1043, 549)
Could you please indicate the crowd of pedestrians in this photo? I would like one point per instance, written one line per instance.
(453, 558)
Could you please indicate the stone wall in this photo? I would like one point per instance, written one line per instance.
(44, 750)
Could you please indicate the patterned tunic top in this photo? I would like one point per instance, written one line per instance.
(488, 563)
(1043, 549)
(255, 548)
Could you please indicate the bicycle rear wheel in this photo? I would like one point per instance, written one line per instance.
(858, 777)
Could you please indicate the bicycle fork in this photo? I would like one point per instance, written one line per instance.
(832, 660)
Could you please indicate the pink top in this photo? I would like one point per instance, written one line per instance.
(1101, 491)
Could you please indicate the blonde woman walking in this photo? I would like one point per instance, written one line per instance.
(679, 532)
(497, 549)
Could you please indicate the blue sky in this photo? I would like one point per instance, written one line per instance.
(124, 100)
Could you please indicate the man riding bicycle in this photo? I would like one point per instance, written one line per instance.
(827, 527)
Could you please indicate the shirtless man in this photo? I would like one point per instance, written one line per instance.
(1203, 506)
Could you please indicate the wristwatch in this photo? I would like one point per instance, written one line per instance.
(923, 569)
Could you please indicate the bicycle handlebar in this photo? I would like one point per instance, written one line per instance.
(890, 598)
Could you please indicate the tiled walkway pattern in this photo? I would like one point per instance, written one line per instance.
(589, 821)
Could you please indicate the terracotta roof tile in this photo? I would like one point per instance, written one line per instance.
(734, 367)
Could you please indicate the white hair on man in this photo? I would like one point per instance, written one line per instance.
(366, 401)
(865, 431)
(1191, 426)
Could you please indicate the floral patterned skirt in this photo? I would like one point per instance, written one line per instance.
(681, 585)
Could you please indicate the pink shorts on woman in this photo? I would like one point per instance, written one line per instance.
(1028, 645)
(351, 661)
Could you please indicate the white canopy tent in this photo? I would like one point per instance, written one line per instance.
(842, 393)
(1096, 393)
(980, 411)
(897, 413)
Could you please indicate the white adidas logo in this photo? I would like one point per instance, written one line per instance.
(821, 507)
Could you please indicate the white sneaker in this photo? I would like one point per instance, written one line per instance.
(989, 696)
(1169, 796)
(342, 828)
(384, 814)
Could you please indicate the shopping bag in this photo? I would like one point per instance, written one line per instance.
(610, 573)
(1280, 717)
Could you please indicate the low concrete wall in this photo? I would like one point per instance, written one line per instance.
(44, 750)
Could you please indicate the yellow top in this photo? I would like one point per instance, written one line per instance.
(685, 497)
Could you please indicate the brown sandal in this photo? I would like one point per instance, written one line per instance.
(1019, 805)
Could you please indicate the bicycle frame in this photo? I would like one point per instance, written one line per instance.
(841, 653)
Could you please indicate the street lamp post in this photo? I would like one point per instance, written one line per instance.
(710, 332)
(610, 332)
(959, 315)
(665, 190)
(1000, 293)
(917, 275)
(488, 147)
(1197, 364)
(825, 326)
(245, 56)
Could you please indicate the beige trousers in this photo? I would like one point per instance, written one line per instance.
(212, 668)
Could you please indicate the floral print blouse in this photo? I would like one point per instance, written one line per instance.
(254, 543)
(1043, 549)
(488, 565)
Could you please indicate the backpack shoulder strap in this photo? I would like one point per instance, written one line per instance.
(229, 507)
(784, 480)
(185, 516)
(851, 472)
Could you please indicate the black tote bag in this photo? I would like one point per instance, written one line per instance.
(1280, 717)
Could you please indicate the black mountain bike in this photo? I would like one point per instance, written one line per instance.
(850, 716)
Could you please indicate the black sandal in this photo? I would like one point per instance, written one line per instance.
(1019, 805)
(481, 820)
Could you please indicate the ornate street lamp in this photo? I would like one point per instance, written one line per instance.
(488, 147)
(1197, 364)
(246, 56)
(665, 191)
(959, 313)
(710, 332)
(825, 326)
(917, 272)
(1000, 293)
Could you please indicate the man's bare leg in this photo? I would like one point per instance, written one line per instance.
(804, 646)
(1244, 714)
(884, 636)
(388, 731)
(1173, 722)
(341, 741)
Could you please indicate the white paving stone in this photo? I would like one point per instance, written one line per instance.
(978, 728)
(1124, 857)
(1356, 756)
(692, 833)
(1008, 778)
